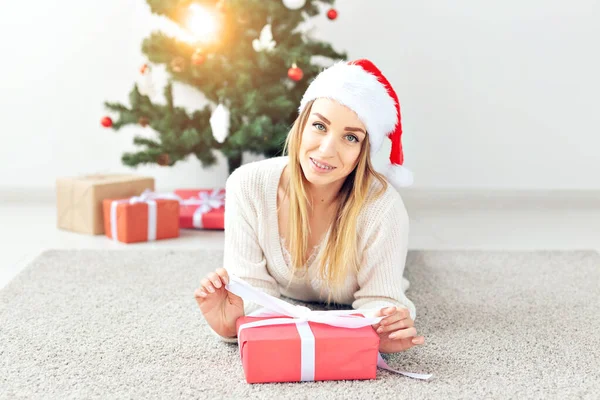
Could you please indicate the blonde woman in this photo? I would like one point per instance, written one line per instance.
(320, 224)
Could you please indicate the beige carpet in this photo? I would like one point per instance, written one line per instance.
(124, 324)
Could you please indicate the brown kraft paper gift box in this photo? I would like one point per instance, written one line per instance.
(79, 199)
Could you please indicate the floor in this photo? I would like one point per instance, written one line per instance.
(28, 229)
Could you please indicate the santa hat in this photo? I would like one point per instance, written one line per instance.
(360, 86)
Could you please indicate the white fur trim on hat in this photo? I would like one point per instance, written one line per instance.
(360, 91)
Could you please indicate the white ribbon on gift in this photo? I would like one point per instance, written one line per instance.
(300, 315)
(206, 201)
(148, 197)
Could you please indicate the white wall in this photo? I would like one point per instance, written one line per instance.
(499, 95)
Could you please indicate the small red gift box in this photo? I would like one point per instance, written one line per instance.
(306, 351)
(140, 219)
(202, 208)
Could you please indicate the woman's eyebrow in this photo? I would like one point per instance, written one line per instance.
(323, 118)
(350, 129)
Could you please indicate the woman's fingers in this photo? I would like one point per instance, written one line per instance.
(385, 311)
(212, 282)
(400, 324)
(392, 319)
(222, 272)
(394, 315)
(403, 333)
(219, 278)
(397, 345)
(207, 285)
(418, 340)
(395, 326)
(390, 316)
(215, 280)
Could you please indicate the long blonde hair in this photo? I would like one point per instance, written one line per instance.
(340, 255)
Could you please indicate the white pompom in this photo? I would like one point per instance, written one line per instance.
(294, 4)
(219, 123)
(398, 176)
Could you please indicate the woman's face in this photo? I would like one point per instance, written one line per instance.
(332, 137)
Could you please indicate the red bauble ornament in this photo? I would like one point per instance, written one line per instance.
(106, 122)
(198, 58)
(295, 73)
(163, 160)
(178, 64)
(143, 121)
(332, 14)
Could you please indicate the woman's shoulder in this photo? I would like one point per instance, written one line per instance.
(256, 176)
(388, 205)
(258, 170)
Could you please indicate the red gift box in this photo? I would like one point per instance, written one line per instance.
(306, 351)
(202, 208)
(289, 343)
(140, 219)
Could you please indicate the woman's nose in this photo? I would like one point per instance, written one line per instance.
(327, 146)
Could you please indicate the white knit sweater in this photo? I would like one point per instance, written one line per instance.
(254, 250)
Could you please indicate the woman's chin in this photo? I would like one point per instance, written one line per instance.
(314, 177)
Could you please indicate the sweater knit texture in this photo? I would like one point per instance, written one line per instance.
(255, 249)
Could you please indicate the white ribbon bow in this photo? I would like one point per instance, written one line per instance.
(148, 195)
(206, 202)
(300, 316)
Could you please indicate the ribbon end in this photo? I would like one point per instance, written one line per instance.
(383, 365)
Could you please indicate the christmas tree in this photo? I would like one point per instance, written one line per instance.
(252, 60)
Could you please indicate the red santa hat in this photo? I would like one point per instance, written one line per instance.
(360, 86)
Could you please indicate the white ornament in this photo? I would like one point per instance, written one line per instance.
(289, 84)
(294, 4)
(145, 84)
(265, 40)
(219, 123)
(308, 29)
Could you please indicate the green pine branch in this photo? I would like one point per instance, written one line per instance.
(253, 85)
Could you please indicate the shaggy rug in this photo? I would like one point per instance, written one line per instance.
(124, 324)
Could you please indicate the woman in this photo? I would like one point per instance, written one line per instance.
(320, 224)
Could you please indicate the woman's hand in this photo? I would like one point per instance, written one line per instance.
(396, 331)
(220, 307)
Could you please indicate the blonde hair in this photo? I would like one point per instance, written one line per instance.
(339, 257)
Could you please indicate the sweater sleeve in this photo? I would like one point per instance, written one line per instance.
(243, 255)
(380, 278)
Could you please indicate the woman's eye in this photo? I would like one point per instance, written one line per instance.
(353, 137)
(317, 125)
(322, 128)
